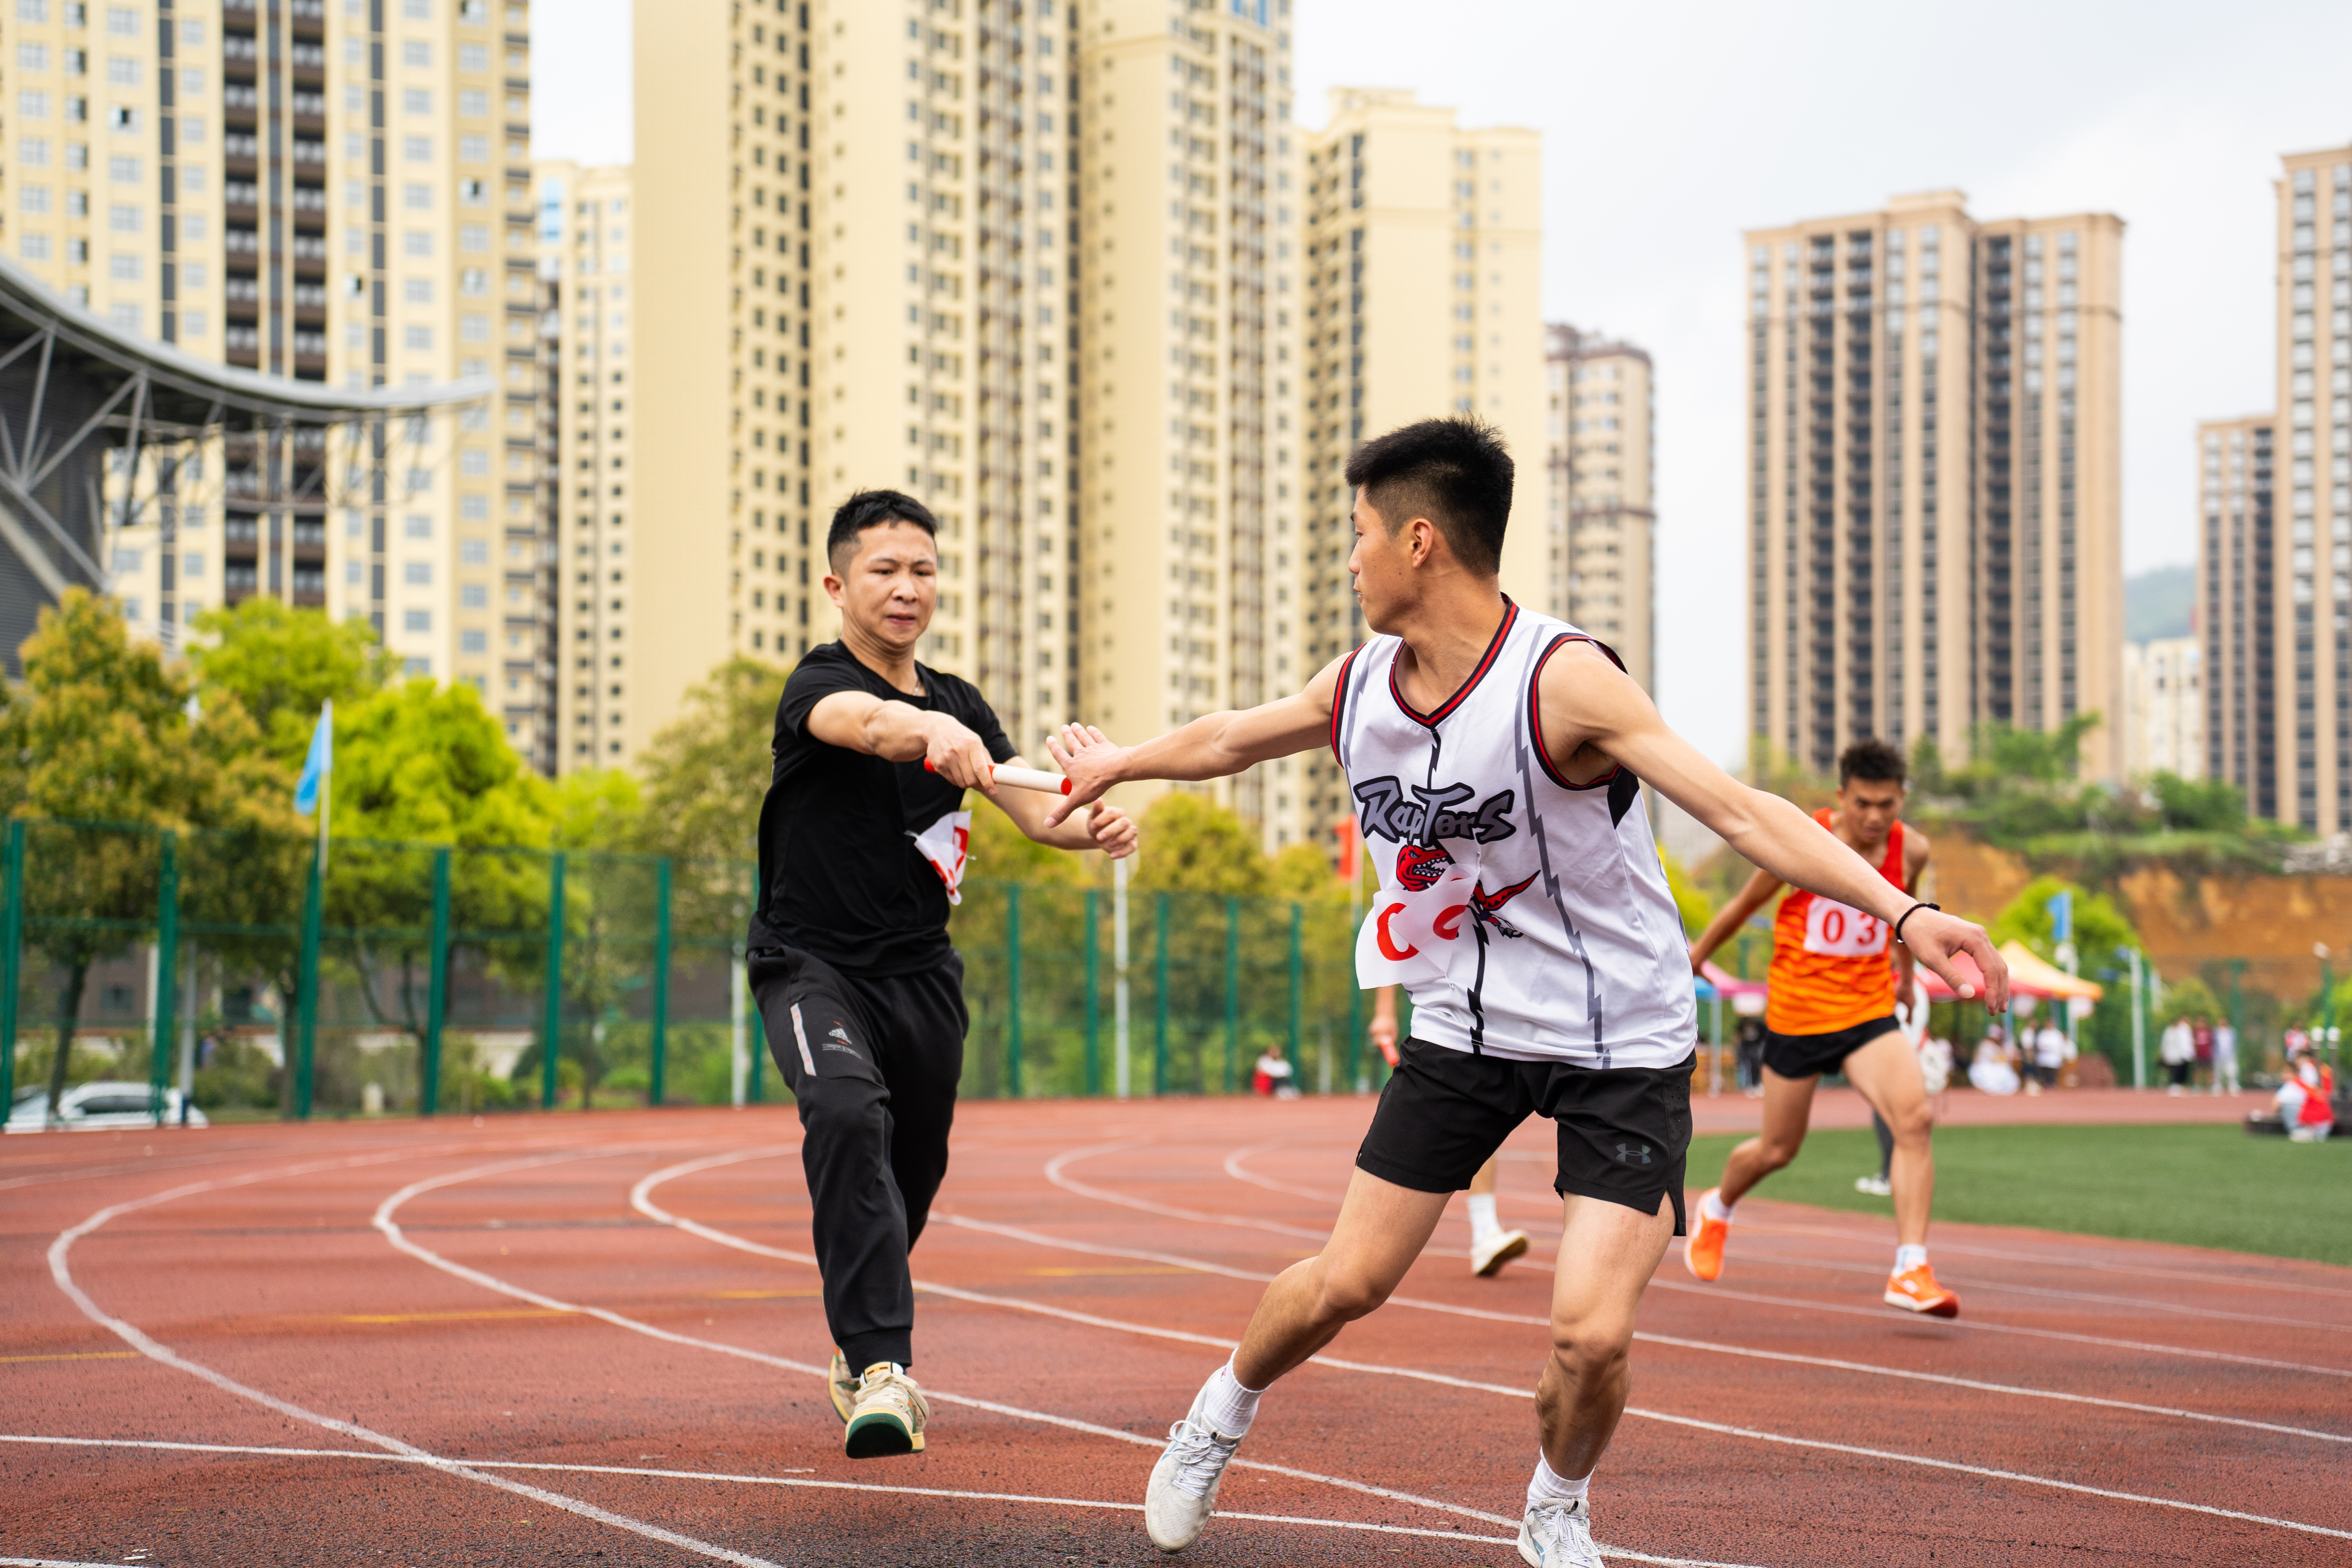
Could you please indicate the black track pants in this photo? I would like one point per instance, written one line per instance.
(874, 1064)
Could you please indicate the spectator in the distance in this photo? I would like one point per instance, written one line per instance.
(2225, 1058)
(2307, 1100)
(1748, 1051)
(1271, 1076)
(2051, 1051)
(1991, 1069)
(2200, 1040)
(2177, 1049)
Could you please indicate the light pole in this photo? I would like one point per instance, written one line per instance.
(2139, 1018)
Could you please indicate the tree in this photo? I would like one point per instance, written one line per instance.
(101, 737)
(2099, 927)
(1193, 844)
(1691, 900)
(2210, 804)
(704, 777)
(282, 663)
(606, 951)
(2191, 998)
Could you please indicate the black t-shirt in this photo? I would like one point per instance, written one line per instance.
(839, 873)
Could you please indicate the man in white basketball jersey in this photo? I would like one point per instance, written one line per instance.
(1495, 757)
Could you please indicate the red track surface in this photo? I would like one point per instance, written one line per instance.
(492, 1352)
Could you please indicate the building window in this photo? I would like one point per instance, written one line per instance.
(473, 642)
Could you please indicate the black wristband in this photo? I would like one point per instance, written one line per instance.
(1913, 910)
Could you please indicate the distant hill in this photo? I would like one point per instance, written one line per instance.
(2157, 604)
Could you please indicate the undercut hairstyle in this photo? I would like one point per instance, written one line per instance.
(1457, 472)
(873, 509)
(1874, 760)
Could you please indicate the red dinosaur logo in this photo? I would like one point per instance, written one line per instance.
(1418, 868)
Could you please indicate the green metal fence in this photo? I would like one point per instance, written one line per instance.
(265, 975)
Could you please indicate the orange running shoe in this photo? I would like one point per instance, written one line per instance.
(1704, 1250)
(1916, 1290)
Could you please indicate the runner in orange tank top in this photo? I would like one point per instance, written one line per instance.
(1836, 975)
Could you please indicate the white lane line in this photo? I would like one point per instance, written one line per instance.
(1416, 1374)
(641, 1199)
(1241, 1173)
(1053, 1174)
(393, 1233)
(1977, 1325)
(60, 1270)
(1642, 1336)
(777, 1480)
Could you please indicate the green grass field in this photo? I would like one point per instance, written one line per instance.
(2196, 1186)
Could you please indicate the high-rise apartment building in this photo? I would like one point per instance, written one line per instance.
(1421, 299)
(327, 190)
(2237, 605)
(586, 228)
(1934, 533)
(1601, 516)
(2312, 648)
(855, 266)
(2164, 708)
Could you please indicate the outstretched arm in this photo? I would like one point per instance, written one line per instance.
(1212, 746)
(1594, 715)
(1732, 916)
(1104, 826)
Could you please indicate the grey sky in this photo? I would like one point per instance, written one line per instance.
(1660, 146)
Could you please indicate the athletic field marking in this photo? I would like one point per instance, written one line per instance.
(384, 1222)
(1642, 1336)
(60, 1270)
(1105, 1504)
(1053, 1174)
(1241, 1173)
(1416, 1374)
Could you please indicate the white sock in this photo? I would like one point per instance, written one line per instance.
(1549, 1487)
(1482, 1217)
(1909, 1258)
(1226, 1405)
(1712, 1205)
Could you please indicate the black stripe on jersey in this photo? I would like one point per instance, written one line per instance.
(1624, 787)
(1339, 705)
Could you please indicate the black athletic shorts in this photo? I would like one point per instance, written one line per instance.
(1623, 1131)
(1803, 1056)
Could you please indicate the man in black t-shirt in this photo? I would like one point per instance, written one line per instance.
(862, 842)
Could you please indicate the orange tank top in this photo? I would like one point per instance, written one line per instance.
(1832, 967)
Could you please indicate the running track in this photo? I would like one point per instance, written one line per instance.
(585, 1338)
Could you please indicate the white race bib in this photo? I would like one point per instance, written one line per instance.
(944, 844)
(1832, 927)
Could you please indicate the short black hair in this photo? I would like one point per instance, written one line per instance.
(1874, 760)
(1455, 471)
(873, 509)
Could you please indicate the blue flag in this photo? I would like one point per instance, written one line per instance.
(319, 763)
(2062, 915)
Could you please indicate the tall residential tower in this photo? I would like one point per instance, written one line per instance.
(1600, 417)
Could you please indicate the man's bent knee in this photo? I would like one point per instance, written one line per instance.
(1774, 1156)
(1349, 1293)
(1914, 1124)
(1587, 1351)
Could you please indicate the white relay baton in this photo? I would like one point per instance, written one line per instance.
(1020, 778)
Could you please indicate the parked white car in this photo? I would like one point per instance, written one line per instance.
(96, 1108)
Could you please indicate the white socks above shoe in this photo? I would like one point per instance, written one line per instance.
(1549, 1487)
(1482, 1217)
(1226, 1405)
(1712, 1205)
(1909, 1258)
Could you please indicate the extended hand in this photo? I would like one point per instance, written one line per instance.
(957, 756)
(1089, 761)
(1114, 831)
(1936, 938)
(1384, 1033)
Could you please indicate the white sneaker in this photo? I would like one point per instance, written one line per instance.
(888, 1416)
(1559, 1535)
(1876, 1185)
(1183, 1489)
(1497, 1247)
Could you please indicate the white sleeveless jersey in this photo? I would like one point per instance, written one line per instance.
(1572, 949)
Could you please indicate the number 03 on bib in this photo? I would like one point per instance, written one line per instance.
(1831, 965)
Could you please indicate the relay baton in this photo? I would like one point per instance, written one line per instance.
(1020, 778)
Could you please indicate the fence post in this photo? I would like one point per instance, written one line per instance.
(12, 942)
(1159, 987)
(1094, 998)
(1123, 1064)
(1233, 984)
(1013, 989)
(167, 983)
(1298, 991)
(551, 1028)
(436, 993)
(658, 1080)
(306, 1005)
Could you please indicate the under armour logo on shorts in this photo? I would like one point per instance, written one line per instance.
(1634, 1153)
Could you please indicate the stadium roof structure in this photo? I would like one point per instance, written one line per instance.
(74, 387)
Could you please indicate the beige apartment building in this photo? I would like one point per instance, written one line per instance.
(2237, 605)
(1935, 520)
(586, 228)
(1601, 516)
(331, 192)
(856, 269)
(1423, 298)
(2164, 708)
